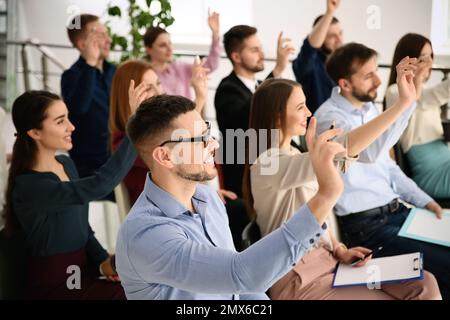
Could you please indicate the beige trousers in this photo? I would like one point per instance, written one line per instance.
(312, 277)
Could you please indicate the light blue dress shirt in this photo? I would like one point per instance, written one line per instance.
(375, 179)
(165, 252)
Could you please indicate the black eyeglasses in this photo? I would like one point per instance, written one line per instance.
(205, 138)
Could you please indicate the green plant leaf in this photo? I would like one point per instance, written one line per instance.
(115, 12)
(144, 20)
(139, 20)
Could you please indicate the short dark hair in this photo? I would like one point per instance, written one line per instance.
(335, 20)
(234, 38)
(154, 118)
(343, 62)
(75, 31)
(151, 35)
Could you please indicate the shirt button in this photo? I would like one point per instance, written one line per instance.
(318, 235)
(311, 241)
(324, 226)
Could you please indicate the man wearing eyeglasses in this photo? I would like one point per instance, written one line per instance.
(176, 244)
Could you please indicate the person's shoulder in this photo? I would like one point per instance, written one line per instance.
(307, 47)
(32, 180)
(325, 108)
(232, 86)
(73, 69)
(145, 218)
(230, 81)
(144, 214)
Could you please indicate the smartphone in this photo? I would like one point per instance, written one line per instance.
(358, 260)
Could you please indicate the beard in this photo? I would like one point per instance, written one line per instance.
(255, 69)
(364, 96)
(201, 176)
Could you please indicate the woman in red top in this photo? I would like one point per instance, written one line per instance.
(139, 71)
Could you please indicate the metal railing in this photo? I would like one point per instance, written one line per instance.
(47, 56)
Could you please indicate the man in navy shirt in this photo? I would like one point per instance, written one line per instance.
(85, 88)
(309, 66)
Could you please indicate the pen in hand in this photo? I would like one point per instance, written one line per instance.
(333, 125)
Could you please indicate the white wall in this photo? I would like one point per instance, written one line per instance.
(45, 20)
(295, 18)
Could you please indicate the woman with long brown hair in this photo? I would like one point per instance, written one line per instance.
(138, 71)
(282, 178)
(423, 140)
(48, 203)
(141, 72)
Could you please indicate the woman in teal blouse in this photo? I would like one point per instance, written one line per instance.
(49, 204)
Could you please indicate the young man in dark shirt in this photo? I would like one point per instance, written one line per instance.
(309, 66)
(85, 88)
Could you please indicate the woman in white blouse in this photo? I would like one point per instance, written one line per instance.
(423, 141)
(282, 179)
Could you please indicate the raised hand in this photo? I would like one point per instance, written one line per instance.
(136, 95)
(332, 6)
(405, 80)
(322, 152)
(214, 23)
(284, 50)
(199, 80)
(424, 66)
(91, 48)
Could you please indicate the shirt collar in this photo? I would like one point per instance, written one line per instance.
(250, 84)
(165, 201)
(346, 105)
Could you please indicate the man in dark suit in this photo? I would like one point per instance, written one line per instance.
(234, 94)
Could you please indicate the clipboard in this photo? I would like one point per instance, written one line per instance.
(423, 225)
(406, 267)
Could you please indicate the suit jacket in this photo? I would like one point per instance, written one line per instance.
(232, 102)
